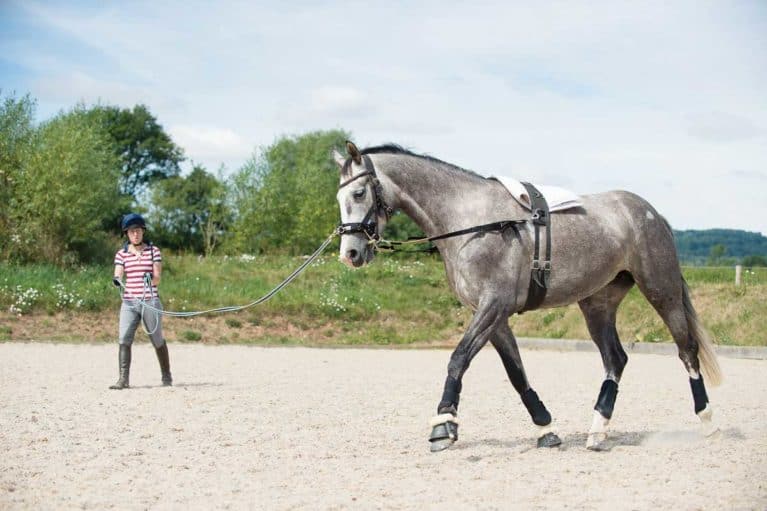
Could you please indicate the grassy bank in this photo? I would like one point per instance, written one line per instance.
(398, 300)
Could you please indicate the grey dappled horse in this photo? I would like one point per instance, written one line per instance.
(599, 251)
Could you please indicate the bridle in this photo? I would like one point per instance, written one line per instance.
(369, 223)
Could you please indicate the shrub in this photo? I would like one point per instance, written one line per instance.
(191, 335)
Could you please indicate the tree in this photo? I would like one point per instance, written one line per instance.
(695, 246)
(401, 227)
(754, 260)
(66, 189)
(146, 152)
(285, 194)
(16, 133)
(716, 254)
(190, 213)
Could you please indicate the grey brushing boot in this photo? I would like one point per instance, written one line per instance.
(124, 357)
(162, 357)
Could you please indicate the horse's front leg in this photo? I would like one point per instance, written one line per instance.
(506, 346)
(485, 321)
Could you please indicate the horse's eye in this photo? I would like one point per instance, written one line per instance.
(358, 194)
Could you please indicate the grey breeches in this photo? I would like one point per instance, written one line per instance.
(130, 316)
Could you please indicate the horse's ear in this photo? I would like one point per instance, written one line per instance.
(354, 152)
(338, 158)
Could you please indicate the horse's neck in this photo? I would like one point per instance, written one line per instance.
(438, 197)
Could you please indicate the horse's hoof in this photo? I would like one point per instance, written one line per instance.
(710, 430)
(444, 432)
(596, 442)
(549, 440)
(441, 445)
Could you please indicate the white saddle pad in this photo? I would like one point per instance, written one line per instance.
(557, 198)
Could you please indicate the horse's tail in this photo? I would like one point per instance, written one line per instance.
(706, 355)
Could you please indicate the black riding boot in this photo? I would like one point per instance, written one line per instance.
(162, 357)
(124, 362)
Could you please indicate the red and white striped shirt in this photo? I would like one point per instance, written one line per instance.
(136, 265)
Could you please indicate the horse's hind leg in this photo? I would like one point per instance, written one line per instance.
(599, 310)
(665, 289)
(506, 346)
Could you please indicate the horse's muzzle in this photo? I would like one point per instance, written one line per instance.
(355, 258)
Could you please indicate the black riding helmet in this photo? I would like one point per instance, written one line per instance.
(133, 219)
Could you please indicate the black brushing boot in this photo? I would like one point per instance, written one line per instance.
(162, 357)
(124, 362)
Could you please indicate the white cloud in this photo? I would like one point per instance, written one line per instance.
(721, 127)
(204, 144)
(343, 101)
(77, 86)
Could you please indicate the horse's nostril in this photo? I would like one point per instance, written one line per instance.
(352, 254)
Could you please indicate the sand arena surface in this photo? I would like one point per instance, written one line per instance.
(287, 428)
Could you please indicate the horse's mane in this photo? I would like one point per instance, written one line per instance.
(398, 149)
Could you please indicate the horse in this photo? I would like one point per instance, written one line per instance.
(598, 252)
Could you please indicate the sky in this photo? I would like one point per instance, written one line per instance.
(665, 99)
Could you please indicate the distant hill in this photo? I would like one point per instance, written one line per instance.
(694, 247)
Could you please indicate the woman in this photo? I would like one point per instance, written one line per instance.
(141, 264)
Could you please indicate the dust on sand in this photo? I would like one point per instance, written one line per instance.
(285, 428)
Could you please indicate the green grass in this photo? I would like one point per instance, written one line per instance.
(399, 299)
(724, 275)
(233, 323)
(191, 336)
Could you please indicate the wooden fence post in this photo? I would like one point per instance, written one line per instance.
(738, 271)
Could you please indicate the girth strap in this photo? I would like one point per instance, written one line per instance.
(541, 270)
